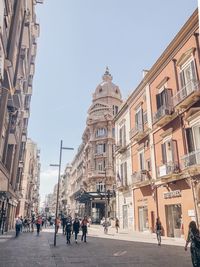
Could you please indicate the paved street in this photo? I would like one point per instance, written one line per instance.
(30, 250)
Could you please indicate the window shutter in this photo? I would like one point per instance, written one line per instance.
(122, 174)
(182, 79)
(168, 95)
(193, 70)
(158, 101)
(104, 148)
(190, 140)
(125, 173)
(164, 155)
(124, 137)
(174, 151)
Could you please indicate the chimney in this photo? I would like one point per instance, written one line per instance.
(144, 73)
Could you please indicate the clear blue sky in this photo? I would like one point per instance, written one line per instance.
(78, 39)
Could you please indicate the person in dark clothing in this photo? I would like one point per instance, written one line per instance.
(84, 228)
(64, 219)
(68, 229)
(194, 239)
(158, 230)
(76, 227)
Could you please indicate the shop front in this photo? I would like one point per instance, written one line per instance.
(145, 207)
(176, 208)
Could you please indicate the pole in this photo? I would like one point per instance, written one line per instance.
(106, 208)
(58, 188)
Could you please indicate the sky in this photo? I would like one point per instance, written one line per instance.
(78, 39)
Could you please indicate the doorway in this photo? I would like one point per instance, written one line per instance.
(125, 217)
(143, 219)
(174, 220)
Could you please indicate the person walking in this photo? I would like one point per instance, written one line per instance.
(158, 229)
(68, 229)
(18, 224)
(194, 239)
(64, 219)
(117, 224)
(38, 224)
(76, 227)
(84, 224)
(57, 222)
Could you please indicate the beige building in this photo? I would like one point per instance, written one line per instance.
(19, 31)
(29, 202)
(93, 171)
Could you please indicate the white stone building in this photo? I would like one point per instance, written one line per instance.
(124, 192)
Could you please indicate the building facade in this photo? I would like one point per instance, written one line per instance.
(19, 32)
(124, 192)
(164, 137)
(92, 179)
(30, 182)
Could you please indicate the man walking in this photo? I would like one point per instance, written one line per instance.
(38, 224)
(68, 229)
(18, 224)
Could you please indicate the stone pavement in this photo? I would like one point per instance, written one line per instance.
(28, 250)
(128, 235)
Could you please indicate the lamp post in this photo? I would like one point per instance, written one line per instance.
(58, 187)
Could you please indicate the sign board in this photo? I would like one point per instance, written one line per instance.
(172, 194)
(163, 170)
(191, 213)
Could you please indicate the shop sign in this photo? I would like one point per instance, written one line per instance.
(175, 193)
(191, 213)
(143, 200)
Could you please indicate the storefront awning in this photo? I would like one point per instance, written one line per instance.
(83, 196)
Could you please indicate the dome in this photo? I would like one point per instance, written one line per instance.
(106, 88)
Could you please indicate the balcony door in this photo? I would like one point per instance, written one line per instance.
(193, 143)
(188, 77)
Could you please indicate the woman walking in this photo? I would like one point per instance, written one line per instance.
(76, 227)
(158, 230)
(194, 239)
(84, 228)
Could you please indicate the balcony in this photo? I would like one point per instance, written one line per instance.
(188, 95)
(163, 115)
(121, 147)
(191, 161)
(140, 177)
(168, 170)
(32, 69)
(139, 132)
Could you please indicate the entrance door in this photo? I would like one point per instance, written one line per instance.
(173, 217)
(143, 218)
(125, 216)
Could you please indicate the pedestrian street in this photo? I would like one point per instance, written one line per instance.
(29, 250)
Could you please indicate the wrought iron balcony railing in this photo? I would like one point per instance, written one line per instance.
(191, 87)
(168, 169)
(191, 159)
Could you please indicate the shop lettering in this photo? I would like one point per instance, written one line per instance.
(176, 193)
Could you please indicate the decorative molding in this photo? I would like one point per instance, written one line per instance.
(185, 56)
(164, 80)
(166, 133)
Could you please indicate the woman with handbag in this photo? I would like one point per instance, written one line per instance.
(194, 239)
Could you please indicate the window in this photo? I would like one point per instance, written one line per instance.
(123, 173)
(101, 148)
(187, 73)
(169, 151)
(141, 160)
(100, 187)
(148, 165)
(193, 138)
(101, 132)
(164, 98)
(122, 135)
(115, 110)
(139, 119)
(145, 117)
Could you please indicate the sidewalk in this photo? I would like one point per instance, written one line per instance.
(128, 235)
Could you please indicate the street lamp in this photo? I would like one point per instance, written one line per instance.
(58, 187)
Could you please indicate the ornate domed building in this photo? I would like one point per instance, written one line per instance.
(96, 165)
